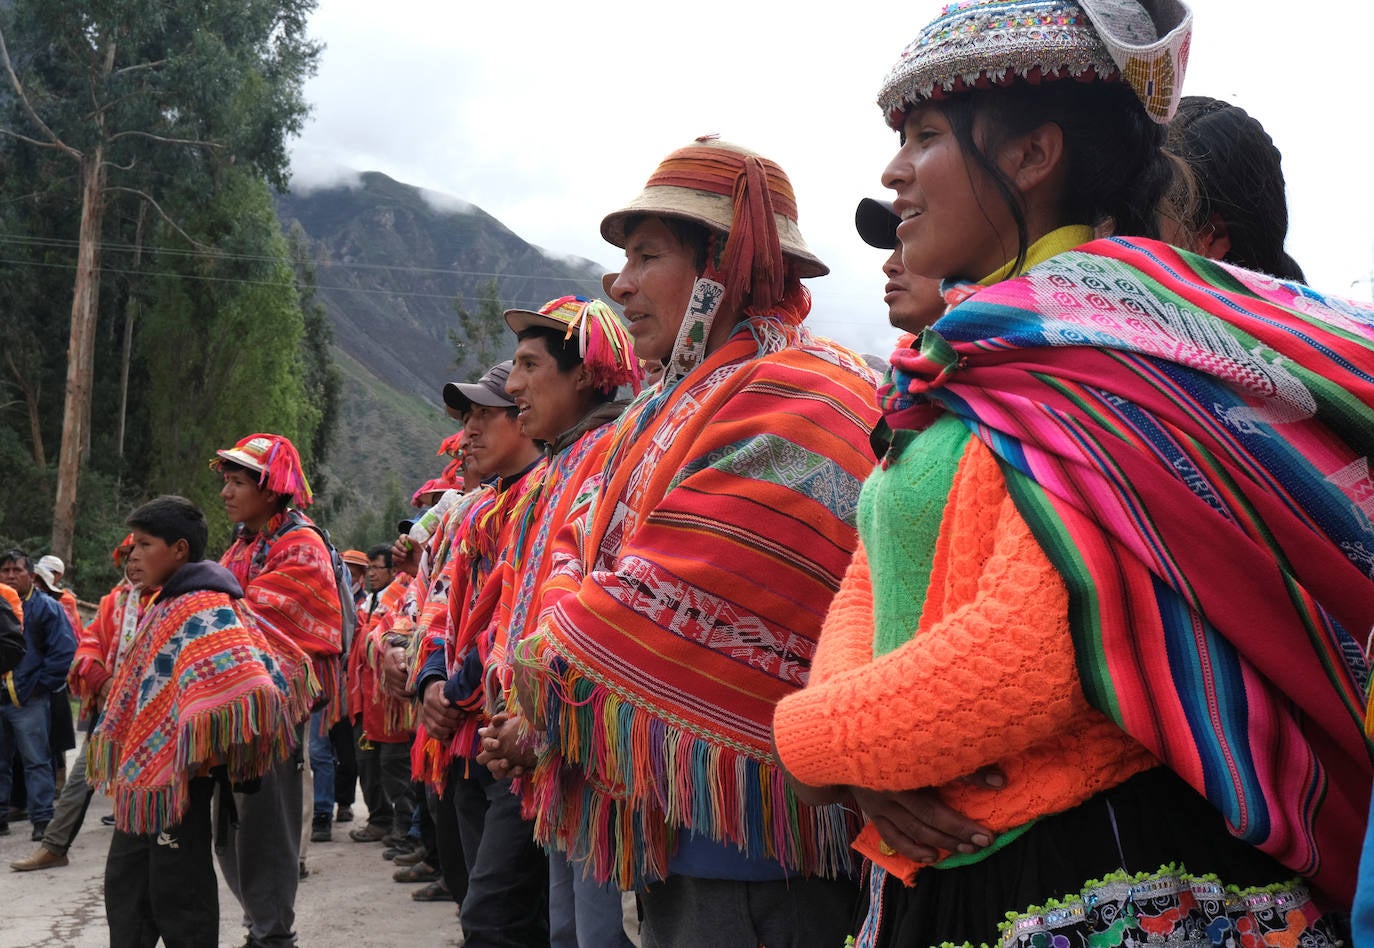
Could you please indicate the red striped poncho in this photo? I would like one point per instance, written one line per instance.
(365, 696)
(480, 536)
(719, 536)
(289, 584)
(571, 480)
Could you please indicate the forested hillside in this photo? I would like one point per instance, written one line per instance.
(164, 295)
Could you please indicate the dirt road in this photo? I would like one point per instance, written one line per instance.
(348, 899)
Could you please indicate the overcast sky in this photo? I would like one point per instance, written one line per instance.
(549, 115)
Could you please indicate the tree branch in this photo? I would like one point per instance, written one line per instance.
(199, 143)
(54, 141)
(31, 141)
(126, 69)
(119, 167)
(164, 215)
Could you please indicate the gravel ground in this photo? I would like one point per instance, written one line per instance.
(348, 899)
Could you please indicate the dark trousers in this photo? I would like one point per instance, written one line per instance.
(345, 762)
(396, 784)
(163, 885)
(260, 854)
(507, 902)
(369, 759)
(448, 843)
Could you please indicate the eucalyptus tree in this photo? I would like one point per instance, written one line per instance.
(139, 97)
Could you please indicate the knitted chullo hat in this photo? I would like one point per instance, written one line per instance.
(745, 200)
(977, 44)
(121, 552)
(452, 446)
(450, 479)
(604, 345)
(274, 458)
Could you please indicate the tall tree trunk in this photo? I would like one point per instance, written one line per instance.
(30, 388)
(130, 312)
(76, 412)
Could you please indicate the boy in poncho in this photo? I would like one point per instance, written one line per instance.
(199, 695)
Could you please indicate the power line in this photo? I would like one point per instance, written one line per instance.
(66, 243)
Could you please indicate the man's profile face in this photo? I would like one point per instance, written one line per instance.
(244, 501)
(495, 441)
(550, 401)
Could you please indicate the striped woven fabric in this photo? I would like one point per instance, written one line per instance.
(288, 582)
(710, 555)
(563, 496)
(461, 600)
(98, 645)
(1190, 444)
(199, 687)
(386, 719)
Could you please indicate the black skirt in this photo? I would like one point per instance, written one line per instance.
(1154, 819)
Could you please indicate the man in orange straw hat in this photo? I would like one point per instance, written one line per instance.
(692, 598)
(282, 562)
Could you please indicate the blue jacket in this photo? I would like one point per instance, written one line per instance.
(50, 644)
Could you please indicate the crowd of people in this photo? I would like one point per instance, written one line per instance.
(1052, 631)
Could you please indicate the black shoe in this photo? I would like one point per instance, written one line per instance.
(345, 814)
(4, 827)
(321, 829)
(107, 819)
(405, 846)
(38, 830)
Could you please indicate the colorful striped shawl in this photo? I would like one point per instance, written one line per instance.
(293, 592)
(486, 542)
(1190, 444)
(569, 482)
(466, 567)
(718, 538)
(200, 687)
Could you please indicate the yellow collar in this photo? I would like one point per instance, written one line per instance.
(1052, 244)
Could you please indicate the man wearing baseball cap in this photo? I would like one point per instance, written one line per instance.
(572, 357)
(913, 302)
(450, 574)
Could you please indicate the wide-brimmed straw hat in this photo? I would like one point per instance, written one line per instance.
(976, 44)
(699, 183)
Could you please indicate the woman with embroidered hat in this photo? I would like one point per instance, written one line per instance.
(1125, 557)
(692, 596)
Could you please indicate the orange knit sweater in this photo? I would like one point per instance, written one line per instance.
(988, 678)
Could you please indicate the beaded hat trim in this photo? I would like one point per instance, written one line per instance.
(977, 44)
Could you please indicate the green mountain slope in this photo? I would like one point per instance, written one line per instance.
(390, 262)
